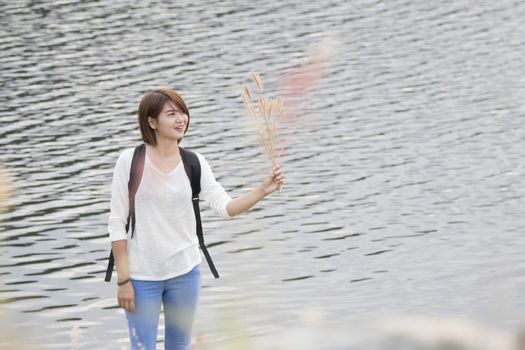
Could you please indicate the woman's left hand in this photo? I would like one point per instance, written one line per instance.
(274, 181)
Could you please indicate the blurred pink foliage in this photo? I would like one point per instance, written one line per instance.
(298, 82)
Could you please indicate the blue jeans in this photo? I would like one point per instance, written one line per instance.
(179, 296)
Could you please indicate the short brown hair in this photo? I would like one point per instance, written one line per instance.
(151, 105)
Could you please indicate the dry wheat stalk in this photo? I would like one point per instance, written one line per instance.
(265, 117)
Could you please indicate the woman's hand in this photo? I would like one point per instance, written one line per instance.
(274, 181)
(126, 297)
(243, 203)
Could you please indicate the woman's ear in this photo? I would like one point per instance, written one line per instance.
(152, 123)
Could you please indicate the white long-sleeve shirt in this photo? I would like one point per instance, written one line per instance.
(165, 242)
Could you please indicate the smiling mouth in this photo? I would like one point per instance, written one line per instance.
(181, 129)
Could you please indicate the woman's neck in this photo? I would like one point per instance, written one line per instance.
(165, 148)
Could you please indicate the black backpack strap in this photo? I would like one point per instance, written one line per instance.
(109, 270)
(135, 175)
(193, 171)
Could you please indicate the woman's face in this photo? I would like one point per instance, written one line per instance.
(171, 122)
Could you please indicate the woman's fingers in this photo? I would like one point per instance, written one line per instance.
(130, 306)
(277, 174)
(126, 297)
(127, 304)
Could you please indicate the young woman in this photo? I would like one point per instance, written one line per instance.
(160, 265)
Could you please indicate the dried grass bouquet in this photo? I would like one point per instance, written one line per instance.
(265, 116)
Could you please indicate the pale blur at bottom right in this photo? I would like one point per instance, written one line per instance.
(392, 333)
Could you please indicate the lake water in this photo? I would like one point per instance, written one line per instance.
(404, 185)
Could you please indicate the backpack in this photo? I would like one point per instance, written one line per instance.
(192, 167)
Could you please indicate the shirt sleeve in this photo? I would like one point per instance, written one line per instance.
(212, 192)
(119, 210)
